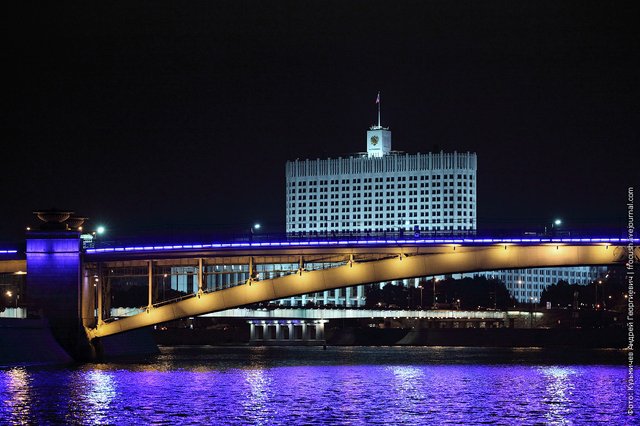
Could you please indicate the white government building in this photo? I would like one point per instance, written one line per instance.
(382, 190)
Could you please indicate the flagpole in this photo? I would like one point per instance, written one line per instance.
(379, 102)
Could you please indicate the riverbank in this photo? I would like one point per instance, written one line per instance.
(357, 335)
(28, 342)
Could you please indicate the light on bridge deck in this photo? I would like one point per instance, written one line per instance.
(421, 242)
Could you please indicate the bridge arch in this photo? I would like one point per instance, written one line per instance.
(408, 263)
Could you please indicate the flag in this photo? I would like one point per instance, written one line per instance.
(378, 98)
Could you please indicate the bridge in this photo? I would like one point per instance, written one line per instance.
(227, 275)
(315, 266)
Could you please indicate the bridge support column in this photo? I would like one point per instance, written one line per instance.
(320, 330)
(278, 331)
(200, 275)
(150, 284)
(88, 300)
(100, 291)
(56, 288)
(252, 331)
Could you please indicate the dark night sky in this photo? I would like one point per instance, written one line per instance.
(182, 116)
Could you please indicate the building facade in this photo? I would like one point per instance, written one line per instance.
(382, 190)
(379, 191)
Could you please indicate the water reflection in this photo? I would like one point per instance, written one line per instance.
(256, 403)
(408, 385)
(16, 396)
(310, 386)
(99, 395)
(558, 390)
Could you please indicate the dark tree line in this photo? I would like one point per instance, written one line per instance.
(465, 293)
(607, 292)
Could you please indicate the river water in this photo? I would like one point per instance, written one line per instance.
(339, 385)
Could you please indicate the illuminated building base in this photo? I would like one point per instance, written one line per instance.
(286, 332)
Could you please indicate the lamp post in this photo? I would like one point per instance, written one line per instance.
(555, 224)
(255, 228)
(164, 285)
(531, 312)
(435, 299)
(100, 230)
(596, 304)
(421, 288)
(9, 294)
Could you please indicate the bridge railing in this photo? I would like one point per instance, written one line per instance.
(305, 236)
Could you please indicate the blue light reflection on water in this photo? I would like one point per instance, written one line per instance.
(307, 385)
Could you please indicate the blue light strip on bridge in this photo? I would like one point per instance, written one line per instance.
(357, 242)
(8, 251)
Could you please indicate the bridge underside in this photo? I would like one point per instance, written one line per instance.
(385, 265)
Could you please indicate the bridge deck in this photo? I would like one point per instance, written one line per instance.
(421, 262)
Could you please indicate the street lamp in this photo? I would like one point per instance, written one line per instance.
(164, 285)
(604, 302)
(9, 294)
(98, 231)
(255, 228)
(555, 224)
(435, 305)
(421, 288)
(531, 312)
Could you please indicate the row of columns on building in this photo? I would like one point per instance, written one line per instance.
(292, 331)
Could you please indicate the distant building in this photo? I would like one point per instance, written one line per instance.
(382, 190)
(378, 191)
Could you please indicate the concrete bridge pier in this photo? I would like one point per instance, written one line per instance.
(57, 290)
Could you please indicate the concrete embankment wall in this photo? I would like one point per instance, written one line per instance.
(502, 337)
(365, 336)
(133, 343)
(358, 335)
(29, 342)
(233, 335)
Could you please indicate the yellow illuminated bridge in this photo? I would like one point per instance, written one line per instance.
(276, 270)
